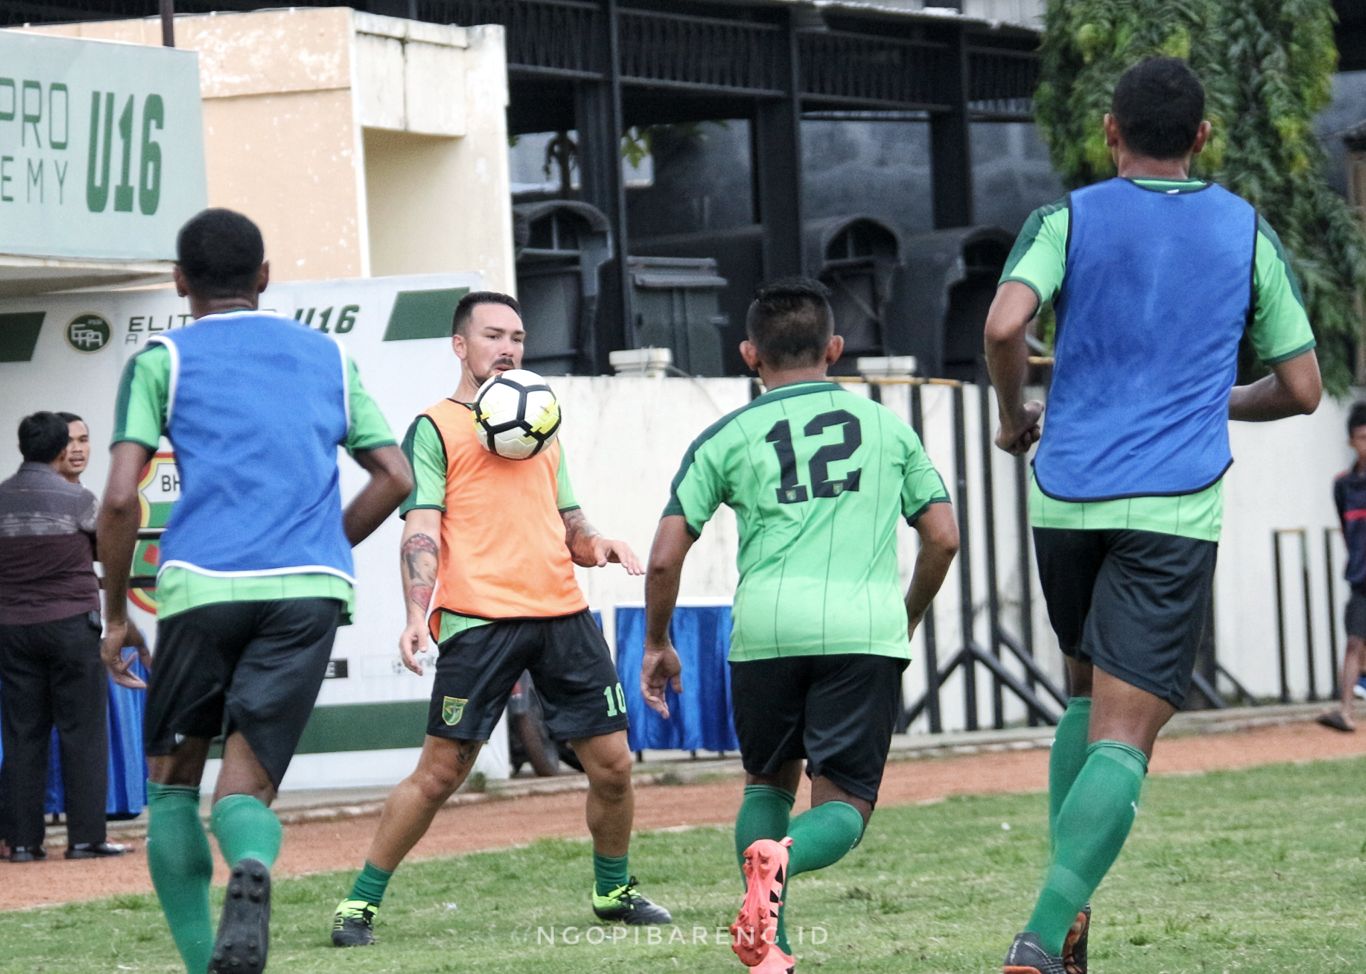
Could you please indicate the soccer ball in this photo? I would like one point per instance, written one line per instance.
(516, 414)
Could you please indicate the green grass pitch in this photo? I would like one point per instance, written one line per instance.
(1254, 872)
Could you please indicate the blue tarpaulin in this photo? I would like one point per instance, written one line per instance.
(700, 717)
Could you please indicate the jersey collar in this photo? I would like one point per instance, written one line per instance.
(798, 389)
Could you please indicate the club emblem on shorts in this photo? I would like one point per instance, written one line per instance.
(452, 709)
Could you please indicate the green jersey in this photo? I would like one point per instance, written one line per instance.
(818, 478)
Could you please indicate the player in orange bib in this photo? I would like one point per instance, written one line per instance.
(487, 562)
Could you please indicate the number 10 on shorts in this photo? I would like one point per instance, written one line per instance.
(616, 700)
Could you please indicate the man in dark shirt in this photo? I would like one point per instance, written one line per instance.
(50, 668)
(1349, 496)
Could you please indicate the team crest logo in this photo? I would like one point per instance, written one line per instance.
(158, 490)
(452, 709)
(88, 333)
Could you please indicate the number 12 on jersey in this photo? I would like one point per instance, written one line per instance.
(790, 488)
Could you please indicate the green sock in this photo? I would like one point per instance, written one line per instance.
(764, 814)
(609, 873)
(370, 884)
(1066, 757)
(822, 836)
(181, 864)
(1093, 823)
(246, 829)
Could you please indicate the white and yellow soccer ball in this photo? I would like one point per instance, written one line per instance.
(516, 414)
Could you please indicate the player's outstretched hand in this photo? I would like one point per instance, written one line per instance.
(659, 668)
(617, 552)
(1019, 433)
(111, 654)
(411, 643)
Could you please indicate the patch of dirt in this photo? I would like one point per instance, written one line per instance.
(340, 842)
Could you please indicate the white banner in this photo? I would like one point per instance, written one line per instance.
(101, 147)
(396, 329)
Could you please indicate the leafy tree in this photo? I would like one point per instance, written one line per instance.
(1267, 66)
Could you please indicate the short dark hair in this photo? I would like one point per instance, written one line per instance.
(220, 253)
(69, 417)
(790, 322)
(1159, 104)
(465, 309)
(42, 437)
(1357, 417)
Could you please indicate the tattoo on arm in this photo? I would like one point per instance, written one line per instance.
(577, 532)
(420, 554)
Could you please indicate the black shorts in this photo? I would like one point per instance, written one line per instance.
(1134, 603)
(1356, 615)
(567, 657)
(838, 712)
(259, 664)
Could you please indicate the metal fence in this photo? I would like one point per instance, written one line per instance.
(1006, 657)
(1302, 654)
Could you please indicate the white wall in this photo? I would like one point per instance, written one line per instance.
(432, 103)
(360, 144)
(1027, 13)
(1281, 478)
(624, 438)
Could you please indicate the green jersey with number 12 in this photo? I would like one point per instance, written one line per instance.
(818, 477)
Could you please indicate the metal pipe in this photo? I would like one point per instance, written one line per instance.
(960, 462)
(1333, 664)
(894, 380)
(932, 681)
(1036, 676)
(168, 23)
(1025, 568)
(1243, 692)
(1308, 612)
(1280, 615)
(998, 719)
(868, 115)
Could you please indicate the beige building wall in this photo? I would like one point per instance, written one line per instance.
(362, 145)
(455, 149)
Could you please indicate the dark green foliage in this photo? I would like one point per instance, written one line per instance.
(1086, 47)
(1267, 66)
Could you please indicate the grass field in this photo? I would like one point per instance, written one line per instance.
(1260, 871)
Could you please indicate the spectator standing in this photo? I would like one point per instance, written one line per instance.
(73, 464)
(1349, 496)
(50, 669)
